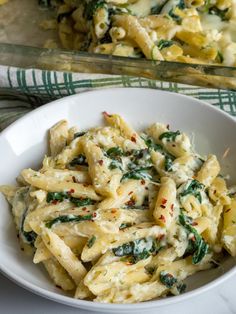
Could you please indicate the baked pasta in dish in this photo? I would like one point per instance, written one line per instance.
(117, 216)
(191, 31)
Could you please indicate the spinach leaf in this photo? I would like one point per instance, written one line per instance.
(138, 174)
(138, 249)
(91, 6)
(125, 225)
(164, 43)
(61, 196)
(91, 241)
(79, 161)
(221, 13)
(169, 136)
(30, 237)
(167, 279)
(181, 5)
(175, 17)
(82, 201)
(114, 152)
(194, 188)
(157, 147)
(79, 134)
(197, 247)
(56, 196)
(168, 163)
(67, 218)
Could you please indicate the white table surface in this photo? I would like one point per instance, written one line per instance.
(16, 300)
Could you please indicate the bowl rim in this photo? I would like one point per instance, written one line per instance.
(96, 306)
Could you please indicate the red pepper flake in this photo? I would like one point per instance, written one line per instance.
(131, 192)
(131, 202)
(193, 238)
(173, 145)
(72, 191)
(106, 114)
(227, 210)
(100, 162)
(74, 179)
(162, 218)
(54, 202)
(172, 206)
(164, 201)
(161, 236)
(143, 182)
(168, 126)
(194, 223)
(113, 211)
(84, 208)
(85, 185)
(163, 206)
(129, 263)
(133, 138)
(94, 214)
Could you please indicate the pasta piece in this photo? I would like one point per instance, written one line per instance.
(137, 33)
(176, 143)
(58, 274)
(119, 274)
(41, 254)
(164, 208)
(229, 228)
(152, 289)
(209, 171)
(68, 175)
(125, 193)
(64, 255)
(218, 191)
(105, 181)
(125, 130)
(51, 184)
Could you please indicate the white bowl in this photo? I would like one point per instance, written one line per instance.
(24, 144)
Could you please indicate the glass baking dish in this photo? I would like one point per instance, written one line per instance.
(21, 40)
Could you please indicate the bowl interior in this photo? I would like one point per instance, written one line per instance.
(24, 144)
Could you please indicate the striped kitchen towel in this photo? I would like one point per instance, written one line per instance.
(25, 89)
